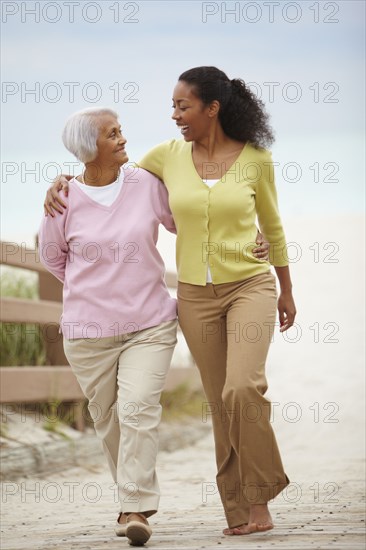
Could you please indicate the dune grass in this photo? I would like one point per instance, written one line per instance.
(21, 344)
(182, 402)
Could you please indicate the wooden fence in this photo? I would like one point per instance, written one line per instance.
(54, 382)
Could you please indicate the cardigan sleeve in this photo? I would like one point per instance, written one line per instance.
(53, 248)
(166, 216)
(154, 159)
(268, 214)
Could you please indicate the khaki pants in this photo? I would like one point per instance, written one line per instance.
(123, 377)
(228, 329)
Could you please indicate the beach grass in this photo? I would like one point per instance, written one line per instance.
(21, 344)
(181, 402)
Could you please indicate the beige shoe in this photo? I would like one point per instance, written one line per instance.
(138, 530)
(120, 527)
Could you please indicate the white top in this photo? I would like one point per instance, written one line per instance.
(106, 194)
(210, 183)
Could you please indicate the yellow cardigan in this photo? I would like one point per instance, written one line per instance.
(217, 226)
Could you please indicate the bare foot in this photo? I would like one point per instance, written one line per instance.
(259, 521)
(245, 529)
(260, 517)
(231, 530)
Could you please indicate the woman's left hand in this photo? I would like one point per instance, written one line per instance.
(262, 250)
(286, 309)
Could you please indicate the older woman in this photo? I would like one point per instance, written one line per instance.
(119, 321)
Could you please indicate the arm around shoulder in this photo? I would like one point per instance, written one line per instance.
(166, 216)
(53, 248)
(154, 159)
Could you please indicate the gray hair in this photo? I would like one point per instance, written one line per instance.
(81, 132)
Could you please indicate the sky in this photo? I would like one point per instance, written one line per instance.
(304, 59)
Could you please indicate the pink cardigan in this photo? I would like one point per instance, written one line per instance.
(106, 256)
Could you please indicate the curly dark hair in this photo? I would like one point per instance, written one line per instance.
(242, 114)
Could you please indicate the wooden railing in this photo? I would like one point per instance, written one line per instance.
(55, 381)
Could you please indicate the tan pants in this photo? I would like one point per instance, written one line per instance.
(228, 329)
(123, 377)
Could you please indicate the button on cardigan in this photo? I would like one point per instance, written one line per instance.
(216, 226)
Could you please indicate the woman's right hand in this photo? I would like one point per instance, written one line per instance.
(53, 202)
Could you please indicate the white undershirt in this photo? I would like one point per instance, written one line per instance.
(209, 183)
(106, 194)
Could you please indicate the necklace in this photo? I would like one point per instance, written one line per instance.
(83, 181)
